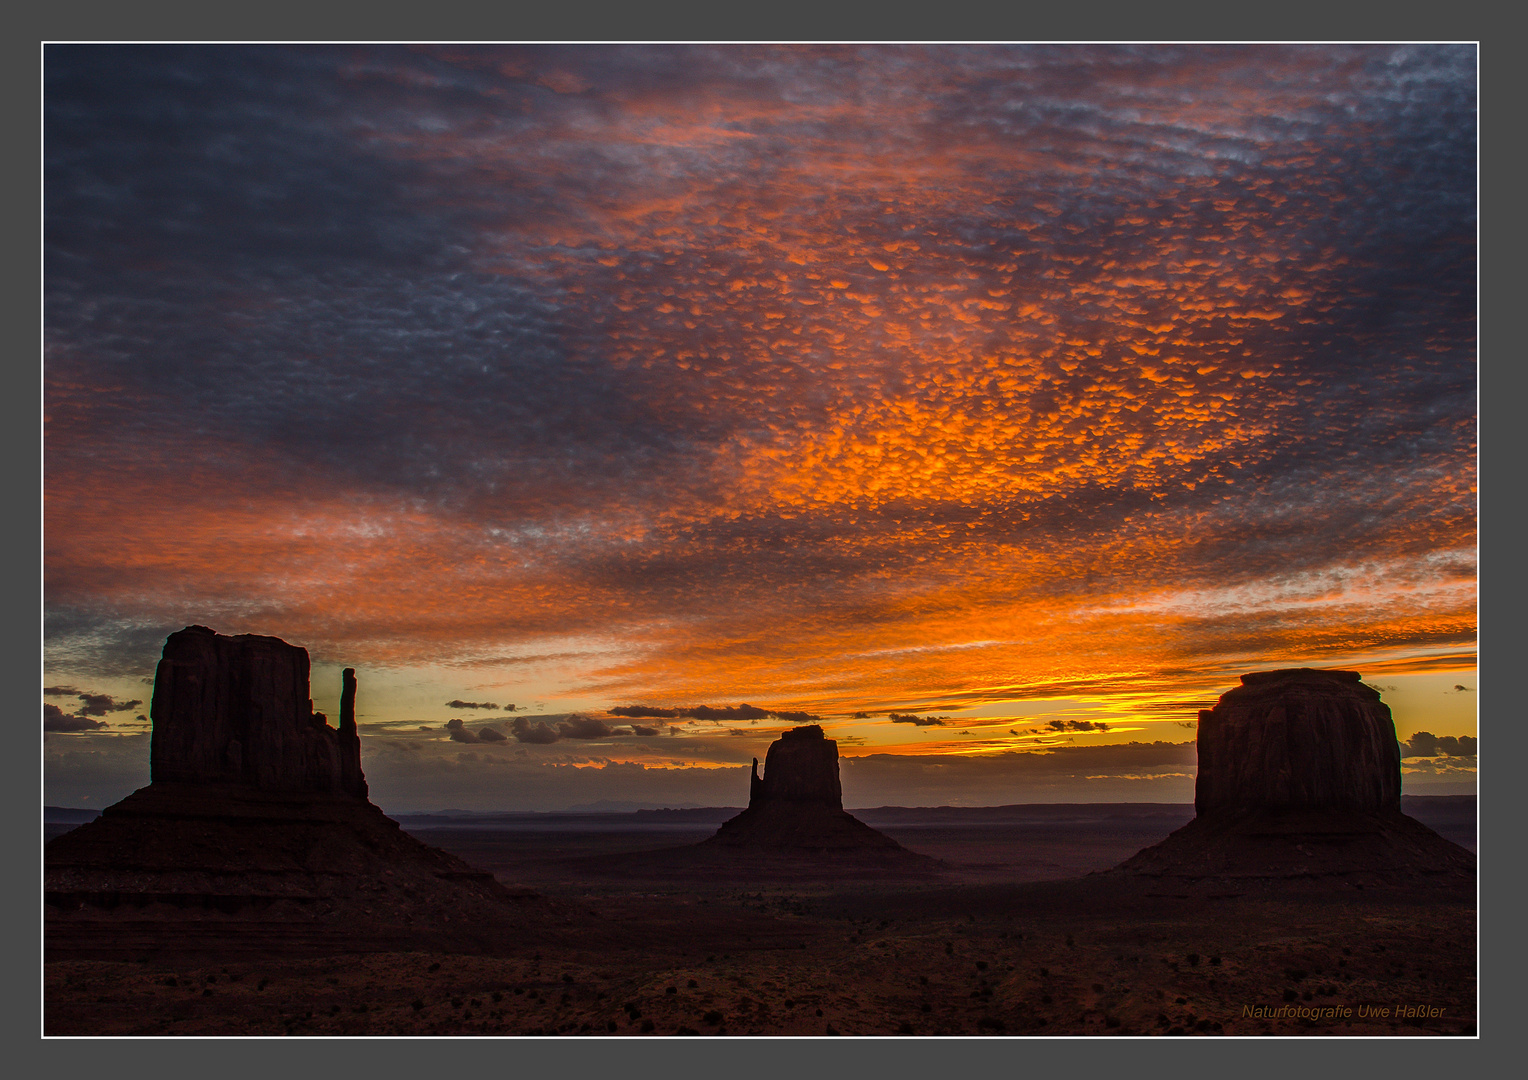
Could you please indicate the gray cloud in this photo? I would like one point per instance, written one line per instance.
(101, 704)
(55, 719)
(537, 733)
(1424, 744)
(920, 721)
(579, 726)
(475, 705)
(1077, 725)
(715, 713)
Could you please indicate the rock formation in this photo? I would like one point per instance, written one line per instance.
(236, 710)
(796, 809)
(1299, 778)
(1298, 739)
(800, 767)
(255, 833)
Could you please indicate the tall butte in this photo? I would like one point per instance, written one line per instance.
(235, 710)
(796, 810)
(255, 833)
(1300, 778)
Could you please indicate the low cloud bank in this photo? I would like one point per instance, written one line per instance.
(575, 726)
(56, 720)
(486, 778)
(1078, 725)
(712, 712)
(459, 733)
(920, 721)
(1424, 744)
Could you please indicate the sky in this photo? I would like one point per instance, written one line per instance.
(996, 407)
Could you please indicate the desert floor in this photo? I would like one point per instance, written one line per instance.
(1013, 938)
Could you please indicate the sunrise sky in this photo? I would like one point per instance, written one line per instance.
(997, 405)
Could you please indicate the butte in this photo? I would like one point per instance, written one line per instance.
(1300, 781)
(795, 829)
(255, 833)
(796, 814)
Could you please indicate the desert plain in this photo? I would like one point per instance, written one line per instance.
(1018, 932)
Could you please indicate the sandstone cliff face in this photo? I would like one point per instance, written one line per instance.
(801, 766)
(236, 710)
(796, 813)
(1298, 739)
(1300, 784)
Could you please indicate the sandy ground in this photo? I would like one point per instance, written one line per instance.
(990, 949)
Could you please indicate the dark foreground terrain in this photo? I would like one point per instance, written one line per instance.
(1011, 936)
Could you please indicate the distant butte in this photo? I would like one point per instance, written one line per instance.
(1300, 780)
(255, 833)
(797, 807)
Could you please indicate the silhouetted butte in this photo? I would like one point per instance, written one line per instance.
(255, 833)
(1300, 779)
(797, 807)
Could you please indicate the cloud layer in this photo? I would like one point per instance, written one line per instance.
(854, 373)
